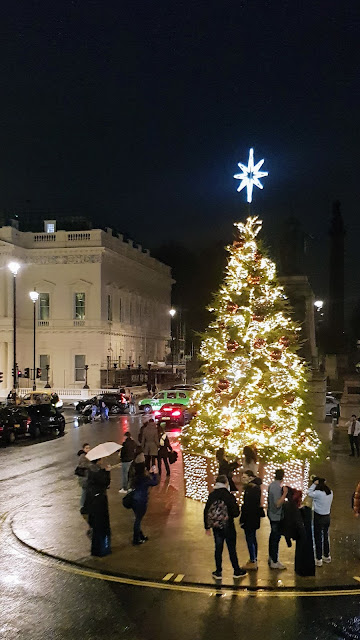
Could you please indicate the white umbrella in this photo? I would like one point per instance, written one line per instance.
(103, 450)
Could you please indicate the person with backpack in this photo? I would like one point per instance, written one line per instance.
(220, 510)
(141, 482)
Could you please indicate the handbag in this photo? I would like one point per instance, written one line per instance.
(173, 456)
(80, 471)
(128, 500)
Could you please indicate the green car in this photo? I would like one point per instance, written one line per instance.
(175, 396)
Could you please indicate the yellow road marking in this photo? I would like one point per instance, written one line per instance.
(179, 577)
(168, 576)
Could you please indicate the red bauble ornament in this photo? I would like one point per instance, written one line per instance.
(223, 384)
(238, 244)
(226, 432)
(284, 341)
(269, 428)
(258, 318)
(232, 307)
(253, 280)
(259, 343)
(275, 355)
(257, 256)
(232, 345)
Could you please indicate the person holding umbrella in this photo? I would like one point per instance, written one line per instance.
(96, 502)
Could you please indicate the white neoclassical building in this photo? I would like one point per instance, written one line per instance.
(102, 301)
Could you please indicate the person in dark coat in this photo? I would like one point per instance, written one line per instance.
(164, 449)
(293, 528)
(227, 468)
(150, 443)
(83, 464)
(251, 512)
(220, 510)
(127, 455)
(141, 482)
(97, 507)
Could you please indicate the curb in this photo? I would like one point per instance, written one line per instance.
(199, 587)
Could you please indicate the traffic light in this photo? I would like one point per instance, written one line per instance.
(38, 372)
(1, 377)
(26, 372)
(19, 373)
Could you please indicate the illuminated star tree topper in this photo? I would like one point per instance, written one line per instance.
(250, 175)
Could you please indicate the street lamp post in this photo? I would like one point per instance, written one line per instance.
(34, 297)
(47, 386)
(14, 268)
(86, 386)
(172, 313)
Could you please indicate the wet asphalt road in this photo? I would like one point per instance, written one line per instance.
(38, 600)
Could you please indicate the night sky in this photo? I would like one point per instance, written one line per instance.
(136, 114)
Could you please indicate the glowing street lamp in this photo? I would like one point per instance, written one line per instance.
(14, 267)
(172, 313)
(319, 304)
(250, 175)
(34, 297)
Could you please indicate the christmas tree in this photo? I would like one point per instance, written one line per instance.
(255, 383)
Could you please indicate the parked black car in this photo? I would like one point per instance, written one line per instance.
(33, 421)
(14, 423)
(45, 418)
(116, 403)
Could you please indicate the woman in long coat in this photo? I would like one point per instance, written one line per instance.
(150, 443)
(251, 512)
(97, 507)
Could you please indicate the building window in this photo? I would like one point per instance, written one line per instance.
(79, 306)
(109, 308)
(44, 306)
(120, 311)
(79, 368)
(44, 361)
(49, 226)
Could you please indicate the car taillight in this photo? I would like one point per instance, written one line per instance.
(1, 428)
(167, 409)
(28, 420)
(176, 413)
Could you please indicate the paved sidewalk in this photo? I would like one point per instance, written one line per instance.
(177, 542)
